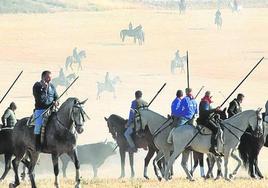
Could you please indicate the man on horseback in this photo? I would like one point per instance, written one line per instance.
(75, 54)
(9, 118)
(107, 81)
(45, 96)
(177, 55)
(130, 27)
(61, 76)
(206, 119)
(235, 105)
(188, 108)
(175, 106)
(135, 105)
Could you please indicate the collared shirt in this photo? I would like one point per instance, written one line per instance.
(44, 96)
(188, 107)
(9, 118)
(234, 108)
(175, 107)
(135, 104)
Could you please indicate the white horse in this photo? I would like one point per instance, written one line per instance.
(110, 87)
(233, 129)
(78, 60)
(178, 63)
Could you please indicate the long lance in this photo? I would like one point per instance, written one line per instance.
(11, 87)
(157, 94)
(188, 75)
(230, 95)
(241, 82)
(199, 92)
(57, 98)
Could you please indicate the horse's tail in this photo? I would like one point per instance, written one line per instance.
(122, 34)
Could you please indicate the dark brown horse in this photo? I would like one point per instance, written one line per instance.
(116, 125)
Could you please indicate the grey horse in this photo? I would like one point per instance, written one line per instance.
(137, 33)
(110, 87)
(78, 60)
(60, 137)
(178, 63)
(57, 81)
(233, 128)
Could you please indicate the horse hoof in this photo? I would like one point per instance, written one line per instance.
(231, 176)
(11, 185)
(121, 177)
(159, 178)
(146, 177)
(228, 179)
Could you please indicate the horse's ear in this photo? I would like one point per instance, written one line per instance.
(106, 119)
(259, 110)
(83, 102)
(225, 109)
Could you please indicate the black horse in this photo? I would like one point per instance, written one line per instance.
(249, 149)
(60, 137)
(6, 148)
(116, 125)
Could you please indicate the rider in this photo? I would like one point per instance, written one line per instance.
(9, 118)
(206, 119)
(130, 27)
(266, 112)
(107, 80)
(45, 96)
(188, 108)
(177, 55)
(235, 105)
(61, 75)
(135, 104)
(75, 54)
(175, 106)
(217, 15)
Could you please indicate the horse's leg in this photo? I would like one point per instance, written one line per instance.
(239, 162)
(251, 166)
(210, 164)
(7, 165)
(55, 161)
(131, 162)
(185, 157)
(201, 164)
(158, 159)
(23, 174)
(122, 156)
(147, 159)
(15, 164)
(33, 160)
(195, 157)
(73, 156)
(64, 167)
(226, 158)
(95, 171)
(257, 170)
(170, 160)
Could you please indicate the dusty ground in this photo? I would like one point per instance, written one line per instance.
(219, 59)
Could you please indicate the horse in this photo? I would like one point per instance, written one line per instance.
(110, 87)
(78, 60)
(178, 63)
(249, 155)
(136, 33)
(57, 81)
(182, 6)
(187, 136)
(116, 126)
(60, 137)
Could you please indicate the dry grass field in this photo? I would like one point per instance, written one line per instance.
(218, 60)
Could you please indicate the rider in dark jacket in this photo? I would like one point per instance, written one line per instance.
(234, 106)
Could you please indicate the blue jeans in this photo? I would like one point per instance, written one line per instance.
(182, 121)
(127, 134)
(38, 121)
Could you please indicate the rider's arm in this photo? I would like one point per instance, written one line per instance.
(132, 112)
(5, 116)
(231, 108)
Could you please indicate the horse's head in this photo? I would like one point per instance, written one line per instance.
(255, 122)
(78, 115)
(82, 54)
(110, 127)
(140, 122)
(222, 114)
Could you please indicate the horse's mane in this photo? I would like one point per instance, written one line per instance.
(68, 102)
(237, 116)
(146, 109)
(117, 120)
